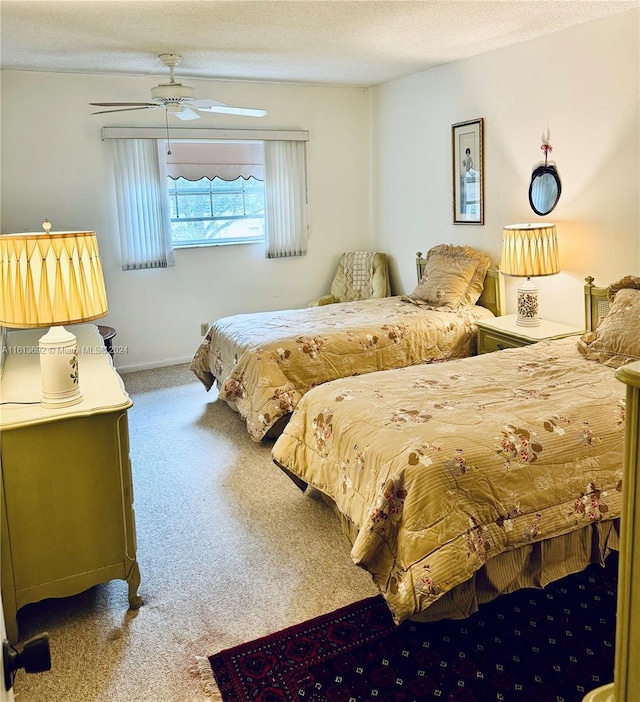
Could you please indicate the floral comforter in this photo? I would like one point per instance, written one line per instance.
(440, 468)
(265, 362)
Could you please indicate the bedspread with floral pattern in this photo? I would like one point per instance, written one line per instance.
(265, 362)
(442, 467)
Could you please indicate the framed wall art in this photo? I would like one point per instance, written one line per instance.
(468, 172)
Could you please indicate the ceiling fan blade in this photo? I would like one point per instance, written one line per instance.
(222, 107)
(124, 104)
(229, 110)
(204, 103)
(186, 113)
(124, 109)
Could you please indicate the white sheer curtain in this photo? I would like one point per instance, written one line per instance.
(143, 203)
(285, 186)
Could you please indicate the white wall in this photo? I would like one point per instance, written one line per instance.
(55, 166)
(583, 84)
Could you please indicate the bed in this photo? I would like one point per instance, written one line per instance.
(460, 481)
(263, 363)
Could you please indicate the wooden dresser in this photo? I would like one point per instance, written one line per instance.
(67, 496)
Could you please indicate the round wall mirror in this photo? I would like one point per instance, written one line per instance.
(545, 189)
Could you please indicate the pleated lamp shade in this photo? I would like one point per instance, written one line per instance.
(529, 250)
(51, 279)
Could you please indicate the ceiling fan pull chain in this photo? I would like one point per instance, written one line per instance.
(166, 120)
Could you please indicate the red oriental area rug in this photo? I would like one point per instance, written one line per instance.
(550, 645)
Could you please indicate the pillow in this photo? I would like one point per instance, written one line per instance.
(453, 276)
(616, 341)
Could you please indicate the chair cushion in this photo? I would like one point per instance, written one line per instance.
(361, 275)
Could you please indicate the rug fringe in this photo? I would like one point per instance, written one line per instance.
(202, 668)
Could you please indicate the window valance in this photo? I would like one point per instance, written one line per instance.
(202, 133)
(227, 160)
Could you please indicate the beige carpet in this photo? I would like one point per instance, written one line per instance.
(229, 550)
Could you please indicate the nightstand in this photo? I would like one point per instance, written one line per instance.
(67, 519)
(500, 333)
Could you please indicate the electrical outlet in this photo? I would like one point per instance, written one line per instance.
(204, 328)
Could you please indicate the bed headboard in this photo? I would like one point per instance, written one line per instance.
(596, 304)
(492, 296)
(596, 299)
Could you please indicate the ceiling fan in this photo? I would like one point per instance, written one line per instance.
(177, 99)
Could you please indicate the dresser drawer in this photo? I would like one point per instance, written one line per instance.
(489, 342)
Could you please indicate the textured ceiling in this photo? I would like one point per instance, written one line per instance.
(341, 42)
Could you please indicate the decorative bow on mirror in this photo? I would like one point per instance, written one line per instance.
(545, 187)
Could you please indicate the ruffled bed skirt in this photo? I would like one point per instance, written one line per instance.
(535, 565)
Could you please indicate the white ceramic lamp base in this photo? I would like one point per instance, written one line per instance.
(59, 369)
(528, 304)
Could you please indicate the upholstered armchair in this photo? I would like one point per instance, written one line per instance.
(361, 275)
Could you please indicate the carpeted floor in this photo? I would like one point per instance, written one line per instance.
(229, 550)
(550, 645)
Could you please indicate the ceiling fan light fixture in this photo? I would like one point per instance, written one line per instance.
(173, 91)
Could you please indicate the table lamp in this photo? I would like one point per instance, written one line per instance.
(51, 279)
(529, 250)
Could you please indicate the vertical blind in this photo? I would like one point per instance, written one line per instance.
(285, 198)
(143, 203)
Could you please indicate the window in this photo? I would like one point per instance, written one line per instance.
(216, 192)
(207, 188)
(216, 211)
